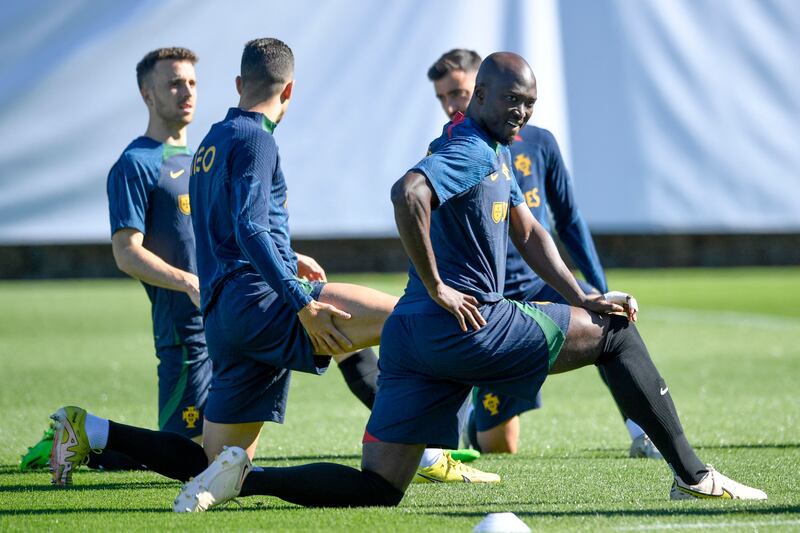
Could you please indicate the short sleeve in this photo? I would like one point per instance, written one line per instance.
(516, 194)
(129, 185)
(458, 166)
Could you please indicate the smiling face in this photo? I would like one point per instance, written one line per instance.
(170, 91)
(504, 99)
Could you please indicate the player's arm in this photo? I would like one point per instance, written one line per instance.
(138, 262)
(539, 251)
(413, 199)
(252, 168)
(569, 224)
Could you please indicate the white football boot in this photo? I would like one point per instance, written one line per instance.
(217, 484)
(643, 447)
(714, 485)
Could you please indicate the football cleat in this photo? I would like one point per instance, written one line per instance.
(217, 484)
(70, 444)
(642, 447)
(465, 455)
(38, 455)
(714, 485)
(448, 470)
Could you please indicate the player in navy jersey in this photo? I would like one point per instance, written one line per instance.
(546, 186)
(453, 329)
(261, 320)
(152, 241)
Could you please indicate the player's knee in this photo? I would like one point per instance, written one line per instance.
(621, 337)
(384, 494)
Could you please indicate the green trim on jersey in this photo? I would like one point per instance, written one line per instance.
(180, 387)
(306, 285)
(267, 124)
(171, 150)
(555, 337)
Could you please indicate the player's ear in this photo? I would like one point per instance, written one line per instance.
(479, 93)
(286, 93)
(239, 85)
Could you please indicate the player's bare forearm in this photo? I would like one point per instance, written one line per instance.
(412, 198)
(138, 262)
(539, 251)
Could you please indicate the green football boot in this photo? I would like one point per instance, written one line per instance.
(38, 455)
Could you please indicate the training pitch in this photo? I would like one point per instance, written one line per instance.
(726, 341)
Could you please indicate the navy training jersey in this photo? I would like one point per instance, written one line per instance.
(473, 182)
(239, 210)
(545, 183)
(148, 190)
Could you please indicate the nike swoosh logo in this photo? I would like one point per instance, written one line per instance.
(663, 391)
(175, 175)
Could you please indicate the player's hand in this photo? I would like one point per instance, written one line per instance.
(317, 320)
(462, 306)
(193, 289)
(629, 304)
(308, 268)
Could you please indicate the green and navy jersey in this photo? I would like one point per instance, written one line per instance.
(546, 184)
(474, 186)
(239, 209)
(148, 190)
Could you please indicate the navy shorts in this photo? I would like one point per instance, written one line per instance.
(492, 409)
(255, 340)
(184, 375)
(428, 366)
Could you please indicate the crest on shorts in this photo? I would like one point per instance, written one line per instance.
(183, 204)
(499, 211)
(491, 403)
(523, 163)
(190, 415)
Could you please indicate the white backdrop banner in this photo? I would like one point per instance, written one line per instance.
(676, 116)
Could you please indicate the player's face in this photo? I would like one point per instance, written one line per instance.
(507, 105)
(454, 91)
(172, 88)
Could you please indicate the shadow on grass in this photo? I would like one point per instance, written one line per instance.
(615, 452)
(125, 485)
(316, 457)
(724, 509)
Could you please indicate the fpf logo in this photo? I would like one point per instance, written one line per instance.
(184, 205)
(499, 211)
(491, 403)
(190, 415)
(523, 163)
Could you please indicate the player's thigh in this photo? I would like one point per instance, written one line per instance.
(217, 436)
(396, 463)
(368, 308)
(584, 340)
(502, 438)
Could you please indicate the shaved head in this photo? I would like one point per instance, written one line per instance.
(504, 67)
(505, 91)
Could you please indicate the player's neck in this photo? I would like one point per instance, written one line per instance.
(162, 132)
(272, 108)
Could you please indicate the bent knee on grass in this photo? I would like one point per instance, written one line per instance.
(503, 438)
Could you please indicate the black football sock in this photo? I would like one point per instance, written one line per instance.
(113, 460)
(602, 372)
(360, 372)
(639, 389)
(169, 454)
(322, 485)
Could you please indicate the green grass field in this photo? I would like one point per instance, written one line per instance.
(726, 341)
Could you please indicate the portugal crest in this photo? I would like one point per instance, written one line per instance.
(491, 403)
(499, 211)
(183, 204)
(523, 163)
